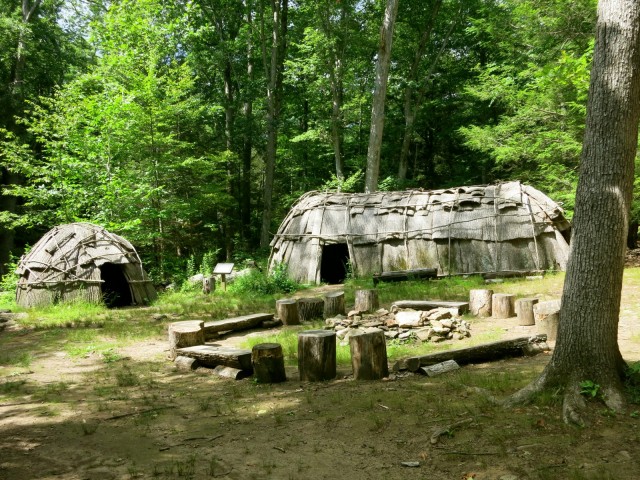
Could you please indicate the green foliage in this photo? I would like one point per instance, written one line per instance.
(255, 281)
(589, 389)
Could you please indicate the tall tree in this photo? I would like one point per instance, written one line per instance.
(273, 67)
(380, 95)
(587, 346)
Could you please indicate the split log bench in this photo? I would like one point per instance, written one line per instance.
(404, 275)
(459, 307)
(210, 356)
(214, 327)
(317, 355)
(516, 347)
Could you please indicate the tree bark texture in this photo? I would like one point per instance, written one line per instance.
(317, 355)
(369, 355)
(524, 311)
(367, 300)
(310, 308)
(587, 345)
(480, 302)
(334, 304)
(503, 305)
(287, 309)
(379, 96)
(274, 68)
(268, 363)
(185, 334)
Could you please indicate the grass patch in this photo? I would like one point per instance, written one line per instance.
(16, 359)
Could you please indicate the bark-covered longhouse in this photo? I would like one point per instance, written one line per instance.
(82, 261)
(508, 227)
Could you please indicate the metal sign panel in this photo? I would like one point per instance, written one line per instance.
(223, 268)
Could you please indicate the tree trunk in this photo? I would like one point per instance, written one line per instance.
(503, 305)
(480, 302)
(247, 141)
(587, 345)
(369, 355)
(524, 311)
(185, 334)
(379, 96)
(268, 363)
(317, 355)
(274, 100)
(310, 308)
(287, 309)
(334, 304)
(367, 300)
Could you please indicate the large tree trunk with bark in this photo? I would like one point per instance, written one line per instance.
(587, 346)
(274, 93)
(379, 96)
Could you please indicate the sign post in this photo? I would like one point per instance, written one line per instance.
(223, 269)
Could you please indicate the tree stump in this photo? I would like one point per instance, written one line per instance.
(268, 363)
(547, 317)
(287, 309)
(317, 355)
(503, 305)
(185, 334)
(369, 355)
(367, 300)
(480, 302)
(334, 304)
(310, 308)
(208, 285)
(524, 311)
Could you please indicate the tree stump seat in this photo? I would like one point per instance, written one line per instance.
(317, 355)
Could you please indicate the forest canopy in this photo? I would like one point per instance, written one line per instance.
(163, 121)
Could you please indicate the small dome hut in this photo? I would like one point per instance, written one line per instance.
(82, 261)
(509, 227)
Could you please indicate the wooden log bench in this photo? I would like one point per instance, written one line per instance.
(404, 275)
(516, 347)
(459, 307)
(210, 356)
(214, 327)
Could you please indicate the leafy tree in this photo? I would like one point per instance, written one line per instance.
(587, 346)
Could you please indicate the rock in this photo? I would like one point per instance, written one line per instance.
(404, 336)
(353, 313)
(437, 339)
(391, 322)
(439, 314)
(342, 333)
(391, 334)
(374, 324)
(158, 317)
(623, 456)
(410, 319)
(446, 323)
(382, 312)
(196, 278)
(356, 318)
(410, 464)
(509, 477)
(460, 336)
(424, 334)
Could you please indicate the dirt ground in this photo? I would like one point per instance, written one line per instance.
(137, 417)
